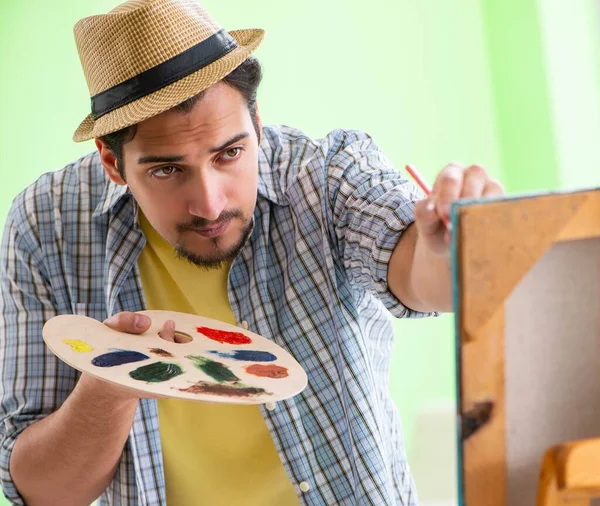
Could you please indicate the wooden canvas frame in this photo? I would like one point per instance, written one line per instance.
(495, 244)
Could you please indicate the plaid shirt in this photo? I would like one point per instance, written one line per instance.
(311, 277)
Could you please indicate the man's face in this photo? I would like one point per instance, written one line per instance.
(194, 175)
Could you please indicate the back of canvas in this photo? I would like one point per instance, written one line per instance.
(552, 363)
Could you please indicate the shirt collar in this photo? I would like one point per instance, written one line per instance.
(275, 165)
(111, 195)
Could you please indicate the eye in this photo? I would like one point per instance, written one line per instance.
(231, 154)
(163, 172)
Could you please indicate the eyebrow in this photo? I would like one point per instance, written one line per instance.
(179, 158)
(231, 141)
(161, 159)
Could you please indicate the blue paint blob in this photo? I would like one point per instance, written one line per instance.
(118, 357)
(247, 355)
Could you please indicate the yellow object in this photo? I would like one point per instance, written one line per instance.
(78, 345)
(214, 454)
(570, 474)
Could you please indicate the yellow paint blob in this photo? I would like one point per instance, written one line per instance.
(78, 345)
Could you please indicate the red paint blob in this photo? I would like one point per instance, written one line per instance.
(223, 336)
(267, 371)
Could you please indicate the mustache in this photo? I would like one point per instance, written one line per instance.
(199, 223)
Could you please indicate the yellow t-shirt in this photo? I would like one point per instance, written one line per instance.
(214, 454)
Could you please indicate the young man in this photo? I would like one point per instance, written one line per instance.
(190, 204)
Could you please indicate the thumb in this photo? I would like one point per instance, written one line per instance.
(426, 217)
(132, 323)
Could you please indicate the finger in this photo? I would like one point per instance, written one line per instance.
(447, 189)
(474, 182)
(493, 189)
(426, 217)
(452, 167)
(132, 323)
(167, 331)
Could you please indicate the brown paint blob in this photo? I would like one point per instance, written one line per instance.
(203, 387)
(160, 352)
(267, 371)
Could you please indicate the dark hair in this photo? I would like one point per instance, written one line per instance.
(244, 79)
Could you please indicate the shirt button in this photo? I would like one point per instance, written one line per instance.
(270, 406)
(304, 486)
(244, 325)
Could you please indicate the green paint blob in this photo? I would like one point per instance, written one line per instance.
(157, 372)
(216, 370)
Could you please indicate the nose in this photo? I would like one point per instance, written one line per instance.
(207, 198)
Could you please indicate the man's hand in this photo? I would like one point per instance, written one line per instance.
(131, 323)
(453, 183)
(419, 269)
(72, 454)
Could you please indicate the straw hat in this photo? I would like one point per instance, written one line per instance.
(146, 56)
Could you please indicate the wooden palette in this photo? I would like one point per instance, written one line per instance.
(222, 363)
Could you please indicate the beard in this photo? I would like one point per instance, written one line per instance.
(217, 258)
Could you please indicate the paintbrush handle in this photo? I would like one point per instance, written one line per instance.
(418, 179)
(425, 187)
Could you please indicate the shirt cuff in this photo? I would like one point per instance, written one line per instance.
(389, 234)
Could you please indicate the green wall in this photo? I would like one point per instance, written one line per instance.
(572, 40)
(433, 82)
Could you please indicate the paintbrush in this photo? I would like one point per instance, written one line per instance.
(426, 189)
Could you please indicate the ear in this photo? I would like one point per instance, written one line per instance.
(258, 122)
(109, 162)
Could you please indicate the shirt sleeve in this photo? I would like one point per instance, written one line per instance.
(29, 374)
(372, 203)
